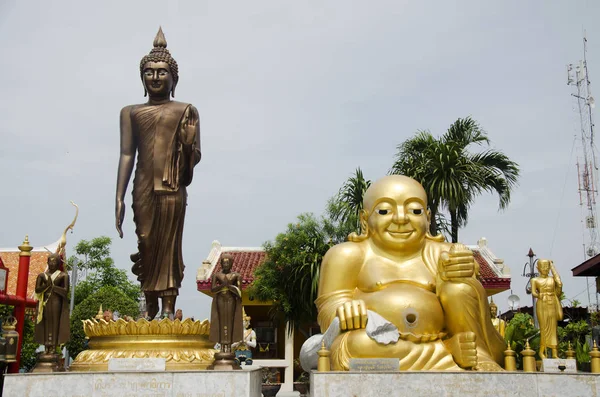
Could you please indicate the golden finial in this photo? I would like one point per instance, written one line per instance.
(510, 359)
(595, 359)
(159, 40)
(25, 248)
(323, 365)
(528, 358)
(100, 313)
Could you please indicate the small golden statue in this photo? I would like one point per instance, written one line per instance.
(165, 134)
(226, 323)
(396, 291)
(498, 323)
(548, 309)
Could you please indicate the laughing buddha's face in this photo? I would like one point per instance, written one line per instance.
(398, 219)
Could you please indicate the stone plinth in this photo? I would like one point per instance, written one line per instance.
(462, 384)
(139, 384)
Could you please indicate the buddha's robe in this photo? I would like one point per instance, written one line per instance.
(425, 309)
(548, 310)
(52, 326)
(226, 325)
(164, 168)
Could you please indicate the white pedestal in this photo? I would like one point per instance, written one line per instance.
(462, 384)
(135, 384)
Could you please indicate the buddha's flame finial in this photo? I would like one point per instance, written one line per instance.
(159, 40)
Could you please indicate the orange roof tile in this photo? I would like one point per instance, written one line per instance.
(37, 265)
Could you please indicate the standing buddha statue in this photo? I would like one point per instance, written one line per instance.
(548, 309)
(165, 135)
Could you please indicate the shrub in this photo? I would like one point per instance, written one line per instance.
(110, 298)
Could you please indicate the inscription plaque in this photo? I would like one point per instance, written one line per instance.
(137, 364)
(375, 364)
(553, 364)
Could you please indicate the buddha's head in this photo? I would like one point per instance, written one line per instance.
(493, 309)
(543, 266)
(395, 214)
(226, 263)
(53, 262)
(159, 70)
(179, 314)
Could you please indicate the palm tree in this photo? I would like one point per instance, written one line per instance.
(451, 175)
(349, 199)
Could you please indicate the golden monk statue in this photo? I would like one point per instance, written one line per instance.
(548, 309)
(499, 324)
(166, 137)
(52, 323)
(395, 291)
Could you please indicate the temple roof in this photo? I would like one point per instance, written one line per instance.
(245, 261)
(589, 268)
(494, 274)
(37, 265)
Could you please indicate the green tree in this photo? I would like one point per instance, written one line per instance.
(451, 175)
(289, 277)
(111, 298)
(349, 200)
(575, 333)
(519, 330)
(94, 256)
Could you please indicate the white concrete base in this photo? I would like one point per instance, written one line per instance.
(460, 384)
(130, 384)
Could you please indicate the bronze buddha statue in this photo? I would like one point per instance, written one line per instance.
(165, 135)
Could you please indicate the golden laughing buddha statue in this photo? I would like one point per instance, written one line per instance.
(395, 291)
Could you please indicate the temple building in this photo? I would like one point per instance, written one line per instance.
(276, 348)
(9, 258)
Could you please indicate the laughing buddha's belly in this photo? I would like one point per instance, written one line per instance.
(411, 308)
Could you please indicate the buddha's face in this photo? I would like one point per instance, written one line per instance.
(246, 324)
(53, 263)
(493, 311)
(158, 79)
(226, 265)
(398, 219)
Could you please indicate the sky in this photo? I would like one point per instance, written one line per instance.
(293, 97)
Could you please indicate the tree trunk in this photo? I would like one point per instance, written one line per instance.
(433, 226)
(454, 224)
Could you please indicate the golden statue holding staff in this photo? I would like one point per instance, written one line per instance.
(165, 134)
(548, 309)
(395, 291)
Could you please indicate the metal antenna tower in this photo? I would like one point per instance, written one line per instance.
(587, 169)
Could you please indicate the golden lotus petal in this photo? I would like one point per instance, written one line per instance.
(154, 327)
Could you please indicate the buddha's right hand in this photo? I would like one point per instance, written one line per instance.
(119, 216)
(352, 315)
